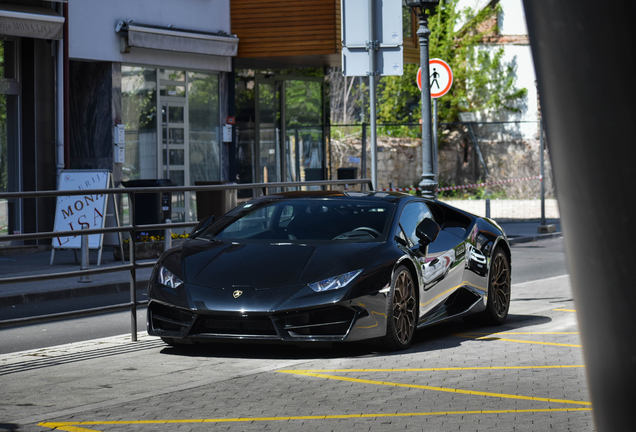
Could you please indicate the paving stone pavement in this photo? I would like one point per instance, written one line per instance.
(526, 375)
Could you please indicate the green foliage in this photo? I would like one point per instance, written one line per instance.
(483, 81)
(399, 101)
(304, 100)
(204, 89)
(304, 103)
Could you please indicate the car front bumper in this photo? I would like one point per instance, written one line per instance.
(357, 319)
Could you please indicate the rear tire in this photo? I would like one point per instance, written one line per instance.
(498, 302)
(402, 312)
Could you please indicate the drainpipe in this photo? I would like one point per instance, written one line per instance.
(59, 104)
(67, 146)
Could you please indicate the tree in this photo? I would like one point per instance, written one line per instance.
(482, 80)
(346, 97)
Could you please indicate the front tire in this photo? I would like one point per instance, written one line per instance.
(402, 312)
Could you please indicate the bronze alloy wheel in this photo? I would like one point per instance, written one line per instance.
(404, 307)
(500, 285)
(498, 292)
(402, 318)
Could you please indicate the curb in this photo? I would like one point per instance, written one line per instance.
(529, 239)
(89, 290)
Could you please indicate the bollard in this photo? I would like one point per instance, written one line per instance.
(167, 237)
(84, 254)
(488, 208)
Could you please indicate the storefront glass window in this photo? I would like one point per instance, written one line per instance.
(304, 129)
(173, 90)
(188, 147)
(171, 75)
(9, 143)
(139, 107)
(245, 129)
(204, 127)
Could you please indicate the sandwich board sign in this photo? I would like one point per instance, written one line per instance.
(72, 213)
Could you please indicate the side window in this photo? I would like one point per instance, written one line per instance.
(412, 215)
(285, 216)
(402, 236)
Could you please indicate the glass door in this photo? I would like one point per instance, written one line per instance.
(268, 130)
(290, 138)
(174, 155)
(304, 126)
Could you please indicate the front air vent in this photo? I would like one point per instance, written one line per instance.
(332, 322)
(235, 326)
(168, 318)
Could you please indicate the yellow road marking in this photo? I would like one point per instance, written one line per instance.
(71, 426)
(565, 310)
(68, 427)
(492, 338)
(440, 389)
(525, 333)
(528, 342)
(434, 369)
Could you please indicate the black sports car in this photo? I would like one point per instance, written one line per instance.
(330, 266)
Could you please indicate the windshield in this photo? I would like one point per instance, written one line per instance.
(303, 220)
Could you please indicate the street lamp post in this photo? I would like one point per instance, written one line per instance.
(428, 184)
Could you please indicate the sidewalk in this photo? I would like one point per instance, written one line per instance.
(29, 264)
(59, 289)
(523, 232)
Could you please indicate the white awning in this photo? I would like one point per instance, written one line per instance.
(168, 39)
(29, 21)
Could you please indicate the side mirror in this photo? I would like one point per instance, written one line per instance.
(203, 224)
(427, 231)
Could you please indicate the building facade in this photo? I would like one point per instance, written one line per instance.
(173, 73)
(282, 88)
(74, 70)
(160, 68)
(30, 32)
(513, 38)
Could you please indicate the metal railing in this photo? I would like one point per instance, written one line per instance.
(513, 162)
(133, 265)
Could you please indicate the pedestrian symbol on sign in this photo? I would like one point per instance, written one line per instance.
(434, 76)
(441, 79)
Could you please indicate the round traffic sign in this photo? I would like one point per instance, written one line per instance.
(441, 77)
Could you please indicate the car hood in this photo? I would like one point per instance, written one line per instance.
(269, 265)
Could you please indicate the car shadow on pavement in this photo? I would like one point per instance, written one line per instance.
(453, 333)
(443, 336)
(271, 351)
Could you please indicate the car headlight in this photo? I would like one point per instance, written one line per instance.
(167, 278)
(334, 282)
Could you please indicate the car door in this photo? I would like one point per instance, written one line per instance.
(441, 263)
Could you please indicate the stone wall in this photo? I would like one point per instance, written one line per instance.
(400, 162)
(399, 159)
